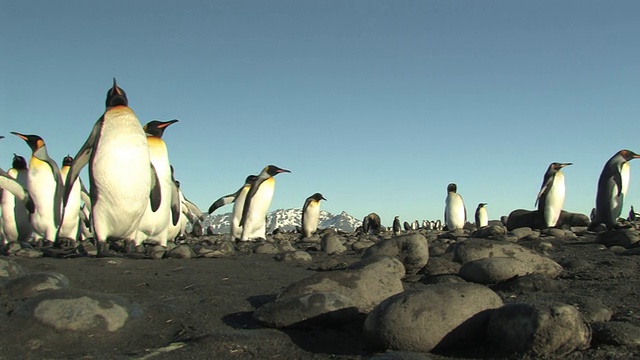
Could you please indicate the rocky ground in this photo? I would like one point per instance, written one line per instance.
(426, 295)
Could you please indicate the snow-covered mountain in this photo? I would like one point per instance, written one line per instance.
(287, 220)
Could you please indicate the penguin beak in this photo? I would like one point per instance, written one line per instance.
(20, 135)
(565, 164)
(167, 123)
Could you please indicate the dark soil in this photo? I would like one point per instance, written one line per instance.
(201, 308)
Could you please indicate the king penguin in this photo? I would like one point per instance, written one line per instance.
(154, 226)
(7, 182)
(71, 220)
(45, 187)
(455, 214)
(257, 203)
(551, 196)
(16, 225)
(311, 214)
(612, 188)
(482, 219)
(237, 199)
(397, 229)
(122, 177)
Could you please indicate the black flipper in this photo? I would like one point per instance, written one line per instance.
(155, 195)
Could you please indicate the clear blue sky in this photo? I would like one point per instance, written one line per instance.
(378, 105)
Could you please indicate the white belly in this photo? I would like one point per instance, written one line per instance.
(154, 226)
(254, 225)
(236, 229)
(71, 220)
(454, 211)
(483, 218)
(16, 225)
(42, 188)
(310, 219)
(554, 200)
(120, 170)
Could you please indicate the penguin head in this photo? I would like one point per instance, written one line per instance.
(1, 137)
(19, 163)
(35, 142)
(156, 127)
(116, 96)
(452, 187)
(557, 166)
(481, 205)
(318, 197)
(628, 155)
(250, 179)
(67, 160)
(273, 170)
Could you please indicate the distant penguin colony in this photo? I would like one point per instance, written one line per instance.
(135, 200)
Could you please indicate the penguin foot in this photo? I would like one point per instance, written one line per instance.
(64, 243)
(105, 251)
(129, 247)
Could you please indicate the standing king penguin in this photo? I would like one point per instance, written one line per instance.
(397, 229)
(455, 214)
(154, 225)
(16, 225)
(482, 218)
(257, 203)
(45, 187)
(71, 220)
(612, 188)
(311, 214)
(237, 199)
(551, 195)
(7, 182)
(122, 177)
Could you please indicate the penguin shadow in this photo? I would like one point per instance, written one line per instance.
(243, 320)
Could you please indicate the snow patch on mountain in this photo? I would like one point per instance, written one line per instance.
(287, 220)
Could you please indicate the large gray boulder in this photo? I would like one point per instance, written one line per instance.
(442, 315)
(411, 249)
(366, 287)
(527, 218)
(540, 330)
(475, 249)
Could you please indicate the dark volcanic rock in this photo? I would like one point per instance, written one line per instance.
(530, 218)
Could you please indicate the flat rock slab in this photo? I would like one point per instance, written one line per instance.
(76, 310)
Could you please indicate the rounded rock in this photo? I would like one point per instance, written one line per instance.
(538, 329)
(441, 315)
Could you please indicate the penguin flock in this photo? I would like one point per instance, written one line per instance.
(133, 197)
